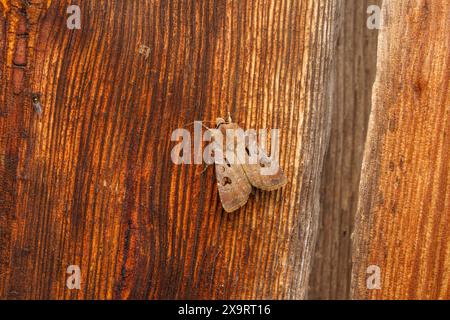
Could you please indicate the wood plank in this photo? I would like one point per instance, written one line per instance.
(403, 215)
(91, 181)
(354, 71)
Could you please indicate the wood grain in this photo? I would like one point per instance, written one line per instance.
(91, 182)
(354, 69)
(403, 215)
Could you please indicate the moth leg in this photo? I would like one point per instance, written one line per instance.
(205, 167)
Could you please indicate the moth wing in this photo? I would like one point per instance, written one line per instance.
(234, 187)
(266, 174)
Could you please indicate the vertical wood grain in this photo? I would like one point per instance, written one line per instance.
(91, 182)
(402, 224)
(354, 70)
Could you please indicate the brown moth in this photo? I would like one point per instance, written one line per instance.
(235, 179)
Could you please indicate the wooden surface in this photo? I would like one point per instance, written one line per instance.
(354, 71)
(403, 215)
(91, 182)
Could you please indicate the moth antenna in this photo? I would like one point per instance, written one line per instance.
(191, 123)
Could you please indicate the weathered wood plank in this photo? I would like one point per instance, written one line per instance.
(354, 71)
(403, 215)
(91, 182)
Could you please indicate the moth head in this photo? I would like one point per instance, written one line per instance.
(220, 121)
(227, 120)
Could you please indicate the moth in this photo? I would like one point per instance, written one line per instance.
(235, 179)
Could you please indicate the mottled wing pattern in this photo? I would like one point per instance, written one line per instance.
(234, 187)
(254, 172)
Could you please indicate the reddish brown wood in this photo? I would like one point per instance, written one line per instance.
(91, 182)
